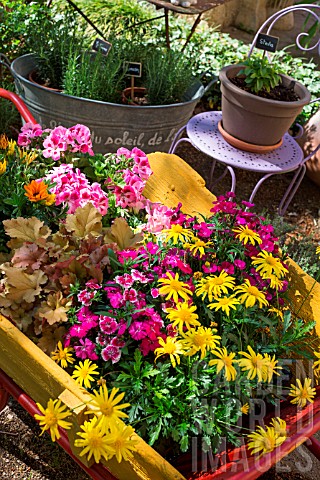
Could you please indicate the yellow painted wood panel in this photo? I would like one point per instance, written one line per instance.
(174, 181)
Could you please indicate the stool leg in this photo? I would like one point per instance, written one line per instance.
(258, 185)
(291, 190)
(177, 135)
(184, 139)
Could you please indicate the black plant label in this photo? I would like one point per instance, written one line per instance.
(133, 68)
(102, 46)
(267, 42)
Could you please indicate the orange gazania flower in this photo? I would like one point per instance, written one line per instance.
(36, 191)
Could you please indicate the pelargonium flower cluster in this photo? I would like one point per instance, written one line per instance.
(58, 141)
(72, 188)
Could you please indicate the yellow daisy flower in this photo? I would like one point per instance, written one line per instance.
(245, 235)
(170, 346)
(268, 265)
(264, 441)
(225, 361)
(225, 303)
(316, 364)
(122, 443)
(302, 393)
(3, 167)
(251, 295)
(275, 282)
(245, 408)
(94, 441)
(215, 285)
(254, 363)
(198, 247)
(83, 373)
(51, 198)
(318, 250)
(200, 339)
(62, 355)
(106, 407)
(276, 311)
(271, 368)
(183, 316)
(178, 234)
(53, 417)
(173, 288)
(279, 426)
(11, 146)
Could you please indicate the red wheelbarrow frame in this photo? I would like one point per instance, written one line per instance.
(235, 464)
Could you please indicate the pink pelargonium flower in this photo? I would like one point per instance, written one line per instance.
(81, 139)
(28, 132)
(158, 218)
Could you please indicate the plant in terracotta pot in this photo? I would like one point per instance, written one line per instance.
(259, 103)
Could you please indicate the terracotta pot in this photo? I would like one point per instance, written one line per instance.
(33, 77)
(257, 120)
(139, 92)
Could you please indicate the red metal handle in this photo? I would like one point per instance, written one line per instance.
(19, 104)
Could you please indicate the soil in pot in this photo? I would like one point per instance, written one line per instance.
(281, 92)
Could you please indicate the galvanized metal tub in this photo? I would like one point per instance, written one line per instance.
(149, 128)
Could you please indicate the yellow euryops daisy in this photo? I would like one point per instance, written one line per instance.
(316, 364)
(225, 303)
(280, 426)
(174, 288)
(106, 407)
(254, 363)
(318, 251)
(53, 417)
(269, 265)
(245, 235)
(183, 316)
(170, 346)
(275, 282)
(225, 361)
(198, 246)
(83, 373)
(94, 441)
(264, 440)
(245, 408)
(276, 311)
(215, 285)
(302, 393)
(122, 443)
(62, 355)
(177, 233)
(51, 198)
(250, 295)
(3, 167)
(200, 339)
(271, 368)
